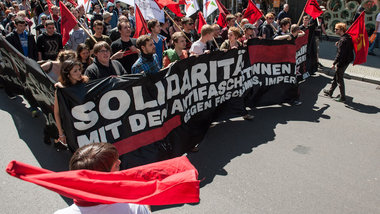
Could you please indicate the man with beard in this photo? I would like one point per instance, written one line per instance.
(147, 63)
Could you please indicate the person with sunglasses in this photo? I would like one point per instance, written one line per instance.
(188, 29)
(344, 56)
(266, 31)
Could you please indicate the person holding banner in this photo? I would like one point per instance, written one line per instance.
(266, 31)
(102, 157)
(200, 46)
(71, 74)
(53, 68)
(344, 56)
(103, 66)
(147, 63)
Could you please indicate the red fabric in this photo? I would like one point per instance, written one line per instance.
(272, 53)
(74, 3)
(172, 181)
(252, 13)
(49, 6)
(68, 22)
(145, 138)
(222, 14)
(360, 40)
(312, 8)
(181, 1)
(201, 21)
(171, 5)
(141, 27)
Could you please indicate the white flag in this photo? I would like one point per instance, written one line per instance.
(150, 10)
(191, 7)
(128, 2)
(86, 4)
(209, 6)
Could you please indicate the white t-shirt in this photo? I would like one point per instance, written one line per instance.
(378, 20)
(122, 208)
(198, 48)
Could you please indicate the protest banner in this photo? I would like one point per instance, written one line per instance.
(301, 57)
(164, 115)
(24, 76)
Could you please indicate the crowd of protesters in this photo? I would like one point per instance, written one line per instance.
(104, 45)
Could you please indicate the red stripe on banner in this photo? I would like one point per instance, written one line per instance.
(145, 138)
(271, 53)
(301, 41)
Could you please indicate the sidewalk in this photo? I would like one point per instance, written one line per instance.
(367, 72)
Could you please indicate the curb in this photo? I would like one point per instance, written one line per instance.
(362, 78)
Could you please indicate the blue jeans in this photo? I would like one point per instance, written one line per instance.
(377, 40)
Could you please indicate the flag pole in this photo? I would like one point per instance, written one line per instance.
(176, 25)
(239, 25)
(86, 31)
(102, 6)
(299, 20)
(215, 42)
(303, 11)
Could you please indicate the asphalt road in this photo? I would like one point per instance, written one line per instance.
(320, 157)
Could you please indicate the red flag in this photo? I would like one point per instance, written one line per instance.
(73, 2)
(201, 21)
(68, 22)
(360, 40)
(173, 181)
(172, 6)
(141, 27)
(49, 6)
(252, 13)
(312, 8)
(222, 14)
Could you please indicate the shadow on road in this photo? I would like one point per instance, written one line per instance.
(30, 130)
(368, 109)
(231, 139)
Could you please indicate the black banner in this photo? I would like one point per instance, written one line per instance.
(301, 55)
(164, 115)
(23, 76)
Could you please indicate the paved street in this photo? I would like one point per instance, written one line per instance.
(321, 157)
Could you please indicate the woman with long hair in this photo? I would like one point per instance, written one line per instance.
(83, 55)
(71, 74)
(53, 68)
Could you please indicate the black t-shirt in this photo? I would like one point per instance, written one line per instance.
(96, 70)
(49, 46)
(128, 60)
(193, 37)
(212, 46)
(39, 28)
